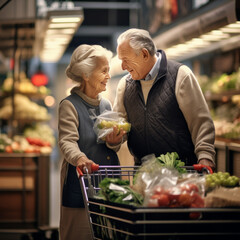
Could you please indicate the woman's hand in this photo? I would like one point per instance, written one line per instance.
(85, 162)
(115, 137)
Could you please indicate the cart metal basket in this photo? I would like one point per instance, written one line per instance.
(119, 221)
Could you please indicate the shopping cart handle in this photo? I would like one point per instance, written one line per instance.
(200, 167)
(94, 168)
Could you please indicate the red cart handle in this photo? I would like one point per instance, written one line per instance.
(199, 167)
(94, 168)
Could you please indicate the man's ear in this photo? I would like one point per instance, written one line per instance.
(85, 77)
(145, 53)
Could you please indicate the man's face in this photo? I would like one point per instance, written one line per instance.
(132, 62)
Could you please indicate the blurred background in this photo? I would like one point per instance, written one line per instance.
(37, 39)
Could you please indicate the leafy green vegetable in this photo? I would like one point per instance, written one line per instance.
(171, 160)
(119, 191)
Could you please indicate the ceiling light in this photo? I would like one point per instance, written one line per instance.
(61, 26)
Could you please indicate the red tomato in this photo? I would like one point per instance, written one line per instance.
(197, 200)
(185, 199)
(163, 200)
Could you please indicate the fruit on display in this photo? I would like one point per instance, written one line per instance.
(225, 129)
(25, 109)
(23, 85)
(109, 124)
(222, 83)
(223, 179)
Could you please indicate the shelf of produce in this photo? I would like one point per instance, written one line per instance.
(223, 96)
(24, 190)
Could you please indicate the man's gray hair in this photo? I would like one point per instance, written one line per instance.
(138, 39)
(84, 60)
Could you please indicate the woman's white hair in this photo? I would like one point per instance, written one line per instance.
(84, 60)
(138, 39)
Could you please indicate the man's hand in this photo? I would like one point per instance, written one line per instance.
(207, 162)
(115, 137)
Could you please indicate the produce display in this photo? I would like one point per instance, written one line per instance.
(220, 83)
(40, 131)
(23, 85)
(222, 93)
(37, 139)
(25, 109)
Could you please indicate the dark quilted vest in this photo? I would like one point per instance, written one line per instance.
(158, 126)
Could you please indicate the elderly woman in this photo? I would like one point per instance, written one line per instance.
(89, 67)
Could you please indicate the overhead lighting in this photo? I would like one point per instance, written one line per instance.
(61, 27)
(205, 42)
(216, 27)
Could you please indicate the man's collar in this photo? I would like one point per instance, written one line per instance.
(155, 69)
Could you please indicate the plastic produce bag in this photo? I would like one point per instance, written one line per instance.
(150, 172)
(105, 122)
(166, 192)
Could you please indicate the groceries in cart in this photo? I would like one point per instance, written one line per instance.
(164, 181)
(106, 121)
(164, 192)
(119, 191)
(223, 197)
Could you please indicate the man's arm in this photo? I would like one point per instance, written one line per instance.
(196, 112)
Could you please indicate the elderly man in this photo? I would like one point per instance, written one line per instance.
(163, 102)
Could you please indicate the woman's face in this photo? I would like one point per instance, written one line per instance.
(97, 81)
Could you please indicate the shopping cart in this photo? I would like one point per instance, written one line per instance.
(115, 221)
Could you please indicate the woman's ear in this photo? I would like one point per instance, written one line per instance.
(145, 53)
